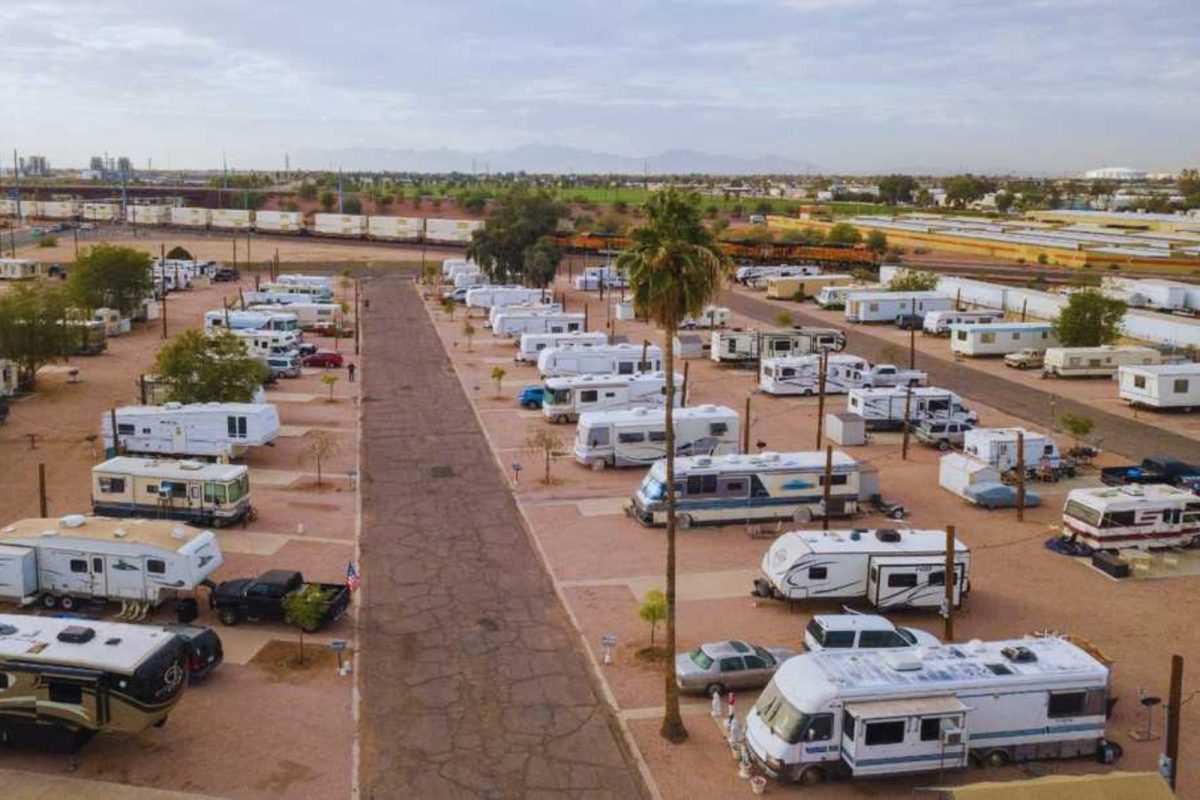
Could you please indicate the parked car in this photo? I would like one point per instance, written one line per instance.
(306, 349)
(262, 597)
(910, 322)
(324, 358)
(205, 652)
(1154, 469)
(1026, 359)
(941, 434)
(531, 396)
(1001, 495)
(718, 666)
(283, 366)
(861, 632)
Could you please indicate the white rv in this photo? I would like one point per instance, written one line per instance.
(710, 317)
(206, 430)
(802, 375)
(756, 277)
(258, 320)
(879, 713)
(834, 297)
(740, 347)
(937, 323)
(890, 306)
(565, 398)
(316, 317)
(1070, 362)
(449, 266)
(513, 325)
(637, 437)
(592, 278)
(469, 280)
(18, 269)
(533, 344)
(299, 279)
(998, 447)
(1000, 338)
(1133, 516)
(78, 558)
(265, 343)
(883, 409)
(890, 569)
(213, 495)
(320, 291)
(489, 296)
(521, 310)
(1161, 386)
(749, 488)
(619, 359)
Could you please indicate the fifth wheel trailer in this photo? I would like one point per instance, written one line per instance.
(883, 409)
(205, 430)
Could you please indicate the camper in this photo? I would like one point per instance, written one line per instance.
(532, 344)
(861, 714)
(834, 297)
(320, 318)
(1165, 386)
(257, 320)
(66, 680)
(513, 325)
(212, 495)
(883, 409)
(114, 323)
(469, 280)
(742, 347)
(890, 569)
(937, 323)
(637, 437)
(802, 287)
(265, 343)
(1105, 360)
(61, 562)
(756, 277)
(619, 359)
(608, 276)
(325, 282)
(749, 488)
(206, 430)
(18, 269)
(449, 266)
(489, 296)
(710, 317)
(998, 447)
(521, 310)
(314, 291)
(1000, 338)
(802, 375)
(1133, 516)
(565, 398)
(890, 306)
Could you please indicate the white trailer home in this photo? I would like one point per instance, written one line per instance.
(318, 317)
(1000, 338)
(749, 488)
(710, 317)
(79, 558)
(889, 569)
(1161, 386)
(883, 409)
(802, 374)
(877, 713)
(532, 344)
(834, 297)
(998, 447)
(618, 359)
(490, 296)
(300, 279)
(190, 217)
(1073, 362)
(937, 323)
(741, 347)
(565, 398)
(231, 219)
(205, 430)
(1134, 516)
(637, 437)
(212, 495)
(592, 278)
(889, 306)
(18, 269)
(279, 221)
(514, 325)
(395, 229)
(347, 225)
(255, 320)
(803, 286)
(521, 310)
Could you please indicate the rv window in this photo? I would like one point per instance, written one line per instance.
(701, 484)
(1017, 337)
(769, 372)
(630, 438)
(79, 565)
(1119, 519)
(718, 428)
(112, 485)
(3, 681)
(901, 581)
(657, 436)
(937, 578)
(174, 489)
(931, 729)
(734, 664)
(156, 566)
(608, 395)
(624, 368)
(1076, 510)
(890, 732)
(66, 693)
(834, 480)
(962, 336)
(787, 372)
(848, 725)
(1181, 385)
(734, 487)
(215, 493)
(1139, 381)
(236, 427)
(125, 429)
(589, 396)
(146, 431)
(820, 728)
(818, 573)
(1065, 704)
(985, 338)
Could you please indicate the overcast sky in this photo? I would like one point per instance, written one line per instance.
(851, 85)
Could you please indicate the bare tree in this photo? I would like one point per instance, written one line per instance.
(546, 445)
(318, 446)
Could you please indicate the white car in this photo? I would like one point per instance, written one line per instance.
(861, 632)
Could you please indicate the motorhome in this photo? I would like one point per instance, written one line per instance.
(264, 343)
(258, 320)
(212, 495)
(325, 282)
(281, 301)
(802, 374)
(1000, 338)
(206, 430)
(883, 409)
(998, 447)
(61, 562)
(1140, 516)
(315, 291)
(521, 310)
(1164, 386)
(834, 297)
(802, 287)
(710, 317)
(619, 359)
(513, 325)
(741, 347)
(637, 437)
(565, 398)
(1105, 360)
(756, 277)
(469, 280)
(937, 323)
(66, 680)
(878, 713)
(890, 569)
(489, 296)
(532, 344)
(320, 318)
(889, 306)
(749, 488)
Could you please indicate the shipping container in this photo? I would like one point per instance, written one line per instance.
(149, 215)
(230, 219)
(60, 209)
(395, 228)
(451, 230)
(190, 217)
(340, 225)
(278, 221)
(8, 207)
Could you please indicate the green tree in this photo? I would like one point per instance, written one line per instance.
(711, 210)
(111, 276)
(308, 191)
(212, 368)
(38, 326)
(305, 608)
(785, 319)
(327, 200)
(609, 223)
(964, 189)
(924, 197)
(329, 379)
(1077, 425)
(352, 205)
(1189, 181)
(179, 253)
(48, 240)
(877, 241)
(449, 306)
(763, 207)
(843, 233)
(653, 610)
(620, 206)
(895, 189)
(546, 445)
(675, 269)
(469, 333)
(520, 218)
(911, 280)
(541, 262)
(1004, 201)
(498, 374)
(720, 225)
(1089, 319)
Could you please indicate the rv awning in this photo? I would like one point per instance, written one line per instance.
(1110, 786)
(906, 707)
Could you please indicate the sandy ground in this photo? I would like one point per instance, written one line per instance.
(603, 562)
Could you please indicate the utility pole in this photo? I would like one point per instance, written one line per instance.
(746, 428)
(42, 492)
(1174, 701)
(827, 486)
(1020, 476)
(951, 580)
(821, 397)
(912, 337)
(683, 400)
(235, 254)
(357, 319)
(112, 419)
(163, 266)
(907, 409)
(645, 344)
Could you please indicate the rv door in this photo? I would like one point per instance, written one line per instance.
(178, 439)
(98, 573)
(125, 578)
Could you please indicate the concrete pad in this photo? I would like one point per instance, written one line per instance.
(19, 785)
(274, 477)
(294, 430)
(290, 397)
(258, 543)
(700, 585)
(602, 506)
(242, 642)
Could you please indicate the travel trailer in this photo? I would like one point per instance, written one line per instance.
(834, 297)
(890, 569)
(889, 306)
(265, 343)
(18, 269)
(749, 488)
(608, 276)
(756, 276)
(802, 375)
(469, 280)
(861, 714)
(1133, 516)
(534, 343)
(66, 680)
(548, 322)
(1163, 386)
(803, 286)
(521, 310)
(114, 324)
(883, 409)
(637, 437)
(212, 495)
(1073, 362)
(206, 430)
(325, 282)
(619, 359)
(1000, 338)
(315, 290)
(320, 318)
(61, 562)
(741, 347)
(565, 398)
(488, 296)
(937, 323)
(710, 317)
(998, 447)
(257, 320)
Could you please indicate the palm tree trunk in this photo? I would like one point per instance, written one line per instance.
(672, 725)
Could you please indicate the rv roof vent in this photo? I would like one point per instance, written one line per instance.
(7, 630)
(977, 646)
(704, 461)
(855, 536)
(178, 533)
(770, 456)
(904, 660)
(1019, 654)
(1133, 491)
(113, 642)
(72, 520)
(76, 634)
(193, 465)
(890, 535)
(708, 407)
(120, 533)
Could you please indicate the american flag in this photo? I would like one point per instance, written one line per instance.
(353, 579)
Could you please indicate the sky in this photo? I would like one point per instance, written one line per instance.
(848, 85)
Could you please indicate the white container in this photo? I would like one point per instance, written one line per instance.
(340, 224)
(190, 217)
(278, 221)
(230, 219)
(1161, 386)
(101, 212)
(395, 228)
(451, 230)
(148, 215)
(846, 429)
(60, 209)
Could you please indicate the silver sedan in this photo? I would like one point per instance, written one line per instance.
(719, 666)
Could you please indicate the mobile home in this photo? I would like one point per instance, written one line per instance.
(1072, 362)
(213, 495)
(207, 430)
(740, 347)
(937, 323)
(565, 398)
(1133, 516)
(889, 569)
(257, 320)
(883, 409)
(18, 269)
(802, 375)
(998, 447)
(890, 306)
(1161, 386)
(637, 437)
(834, 297)
(532, 344)
(749, 488)
(592, 278)
(1000, 338)
(489, 296)
(803, 286)
(619, 359)
(542, 322)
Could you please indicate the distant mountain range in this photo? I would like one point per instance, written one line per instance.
(539, 158)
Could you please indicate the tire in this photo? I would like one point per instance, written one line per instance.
(807, 393)
(898, 513)
(67, 603)
(714, 688)
(684, 521)
(49, 601)
(995, 758)
(812, 776)
(562, 419)
(599, 466)
(802, 515)
(943, 445)
(228, 617)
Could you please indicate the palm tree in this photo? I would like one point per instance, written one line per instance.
(675, 268)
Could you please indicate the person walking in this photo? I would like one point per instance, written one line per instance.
(350, 371)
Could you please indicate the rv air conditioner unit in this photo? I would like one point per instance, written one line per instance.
(952, 735)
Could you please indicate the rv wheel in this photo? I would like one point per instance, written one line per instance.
(561, 419)
(49, 601)
(803, 516)
(228, 616)
(943, 445)
(714, 688)
(811, 776)
(684, 521)
(996, 758)
(898, 513)
(67, 603)
(599, 465)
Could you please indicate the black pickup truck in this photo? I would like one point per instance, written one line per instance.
(262, 597)
(1155, 469)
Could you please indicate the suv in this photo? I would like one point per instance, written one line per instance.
(941, 434)
(861, 632)
(284, 366)
(1026, 359)
(910, 322)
